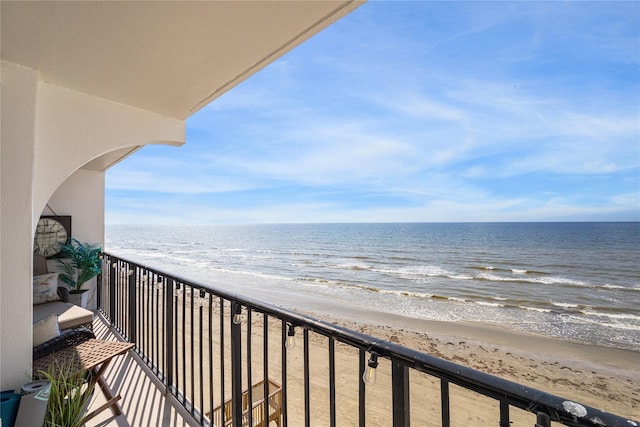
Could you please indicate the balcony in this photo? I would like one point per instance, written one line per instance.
(143, 399)
(198, 350)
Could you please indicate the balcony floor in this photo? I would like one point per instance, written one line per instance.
(143, 402)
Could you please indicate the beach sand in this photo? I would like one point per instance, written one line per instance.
(601, 377)
(604, 378)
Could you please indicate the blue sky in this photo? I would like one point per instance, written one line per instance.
(415, 111)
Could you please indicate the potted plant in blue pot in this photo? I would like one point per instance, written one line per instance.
(80, 262)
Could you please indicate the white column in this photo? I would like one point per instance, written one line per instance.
(19, 96)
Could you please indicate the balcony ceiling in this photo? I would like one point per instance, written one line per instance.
(171, 58)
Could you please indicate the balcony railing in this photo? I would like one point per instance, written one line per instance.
(216, 352)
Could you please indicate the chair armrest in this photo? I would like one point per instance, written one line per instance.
(68, 337)
(63, 293)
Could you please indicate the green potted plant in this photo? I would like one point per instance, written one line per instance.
(68, 395)
(80, 262)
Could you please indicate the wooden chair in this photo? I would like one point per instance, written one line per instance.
(260, 413)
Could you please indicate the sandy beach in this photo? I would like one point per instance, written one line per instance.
(605, 378)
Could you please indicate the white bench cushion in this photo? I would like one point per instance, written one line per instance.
(69, 315)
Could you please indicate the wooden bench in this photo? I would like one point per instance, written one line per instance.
(261, 416)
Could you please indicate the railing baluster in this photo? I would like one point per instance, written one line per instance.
(143, 290)
(361, 390)
(144, 285)
(504, 414)
(163, 341)
(99, 286)
(176, 329)
(543, 420)
(142, 322)
(265, 368)
(236, 368)
(156, 304)
(400, 386)
(112, 293)
(249, 372)
(140, 314)
(307, 403)
(183, 330)
(444, 403)
(200, 358)
(162, 289)
(222, 394)
(123, 302)
(125, 298)
(284, 349)
(133, 300)
(332, 383)
(153, 309)
(192, 396)
(168, 294)
(211, 357)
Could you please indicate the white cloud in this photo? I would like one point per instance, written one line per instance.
(425, 115)
(629, 201)
(187, 183)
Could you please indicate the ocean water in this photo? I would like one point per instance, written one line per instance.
(575, 281)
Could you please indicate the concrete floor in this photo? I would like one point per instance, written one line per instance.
(143, 402)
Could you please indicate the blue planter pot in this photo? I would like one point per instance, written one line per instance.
(10, 402)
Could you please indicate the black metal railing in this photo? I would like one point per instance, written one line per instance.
(230, 360)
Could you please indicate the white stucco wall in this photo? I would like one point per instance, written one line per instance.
(74, 128)
(18, 96)
(48, 133)
(82, 196)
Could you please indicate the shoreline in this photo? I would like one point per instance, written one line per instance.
(601, 377)
(480, 333)
(340, 307)
(508, 338)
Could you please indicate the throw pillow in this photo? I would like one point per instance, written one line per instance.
(45, 329)
(45, 288)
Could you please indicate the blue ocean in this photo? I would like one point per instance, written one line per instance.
(575, 281)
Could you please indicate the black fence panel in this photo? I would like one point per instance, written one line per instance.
(191, 337)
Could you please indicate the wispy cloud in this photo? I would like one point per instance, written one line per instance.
(416, 112)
